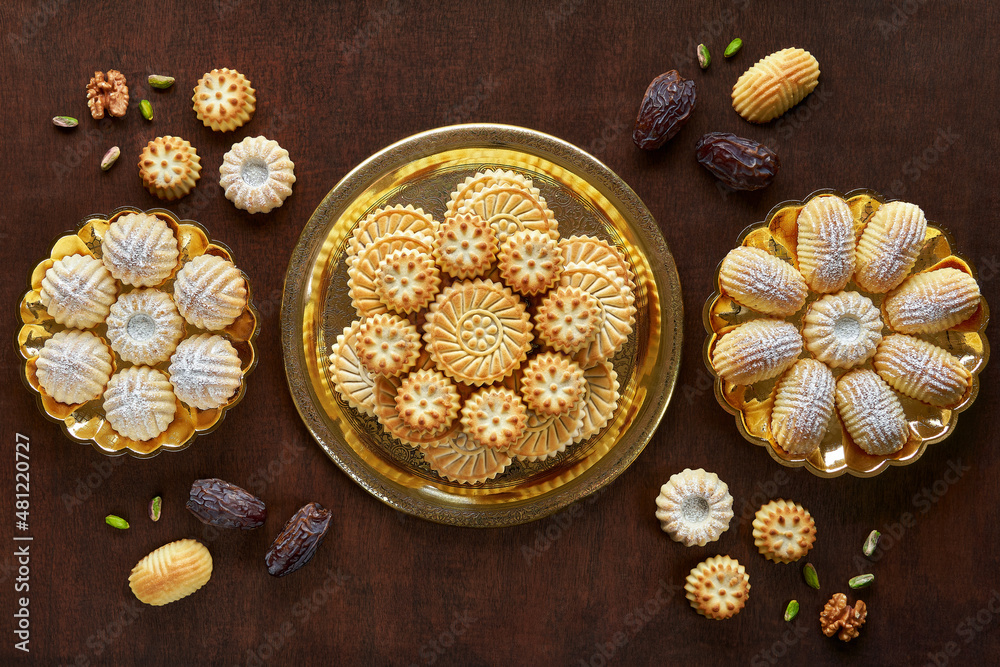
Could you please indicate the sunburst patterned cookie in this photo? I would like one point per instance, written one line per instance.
(932, 301)
(889, 246)
(363, 267)
(567, 318)
(530, 262)
(354, 384)
(757, 279)
(224, 100)
(407, 280)
(756, 350)
(387, 411)
(210, 292)
(494, 417)
(257, 175)
(783, 531)
(617, 309)
(465, 246)
(461, 459)
(545, 436)
(140, 250)
(593, 250)
(694, 507)
(600, 398)
(427, 401)
(388, 222)
(803, 405)
(484, 179)
(205, 371)
(842, 329)
(139, 403)
(477, 332)
(144, 326)
(74, 366)
(509, 208)
(77, 291)
(387, 344)
(718, 588)
(775, 84)
(170, 573)
(922, 370)
(871, 413)
(825, 247)
(552, 383)
(169, 167)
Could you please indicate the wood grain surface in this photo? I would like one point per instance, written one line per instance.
(907, 105)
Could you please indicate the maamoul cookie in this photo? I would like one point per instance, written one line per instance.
(139, 403)
(388, 222)
(871, 413)
(387, 344)
(617, 309)
(477, 332)
(494, 417)
(530, 262)
(387, 411)
(509, 208)
(483, 179)
(169, 167)
(140, 250)
(756, 350)
(461, 459)
(465, 246)
(932, 301)
(783, 531)
(592, 250)
(757, 279)
(210, 292)
(223, 99)
(77, 291)
(74, 366)
(144, 326)
(257, 175)
(718, 588)
(354, 384)
(775, 84)
(842, 329)
(825, 246)
(205, 371)
(407, 280)
(567, 318)
(427, 401)
(922, 370)
(170, 573)
(889, 246)
(600, 398)
(803, 405)
(694, 507)
(552, 384)
(363, 267)
(545, 436)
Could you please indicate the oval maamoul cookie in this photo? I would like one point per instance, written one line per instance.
(509, 208)
(465, 246)
(210, 292)
(139, 403)
(388, 222)
(484, 179)
(224, 100)
(600, 398)
(427, 400)
(351, 380)
(144, 326)
(77, 291)
(461, 459)
(407, 280)
(170, 573)
(205, 371)
(757, 279)
(387, 411)
(843, 329)
(933, 301)
(551, 383)
(363, 267)
(889, 246)
(530, 262)
(756, 350)
(387, 344)
(257, 175)
(825, 245)
(922, 370)
(783, 531)
(871, 412)
(803, 405)
(592, 250)
(74, 366)
(494, 417)
(545, 436)
(140, 250)
(775, 84)
(694, 507)
(718, 588)
(567, 318)
(169, 167)
(617, 309)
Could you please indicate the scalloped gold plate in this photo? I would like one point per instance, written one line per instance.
(86, 422)
(837, 453)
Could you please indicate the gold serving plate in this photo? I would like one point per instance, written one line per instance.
(837, 453)
(86, 422)
(587, 198)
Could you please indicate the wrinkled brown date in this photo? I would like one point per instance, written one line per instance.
(224, 505)
(665, 108)
(297, 542)
(741, 164)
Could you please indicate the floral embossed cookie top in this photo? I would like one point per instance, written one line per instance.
(718, 588)
(169, 167)
(224, 100)
(783, 531)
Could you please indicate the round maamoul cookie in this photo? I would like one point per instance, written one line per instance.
(617, 309)
(600, 398)
(843, 329)
(169, 167)
(363, 267)
(530, 262)
(775, 84)
(205, 371)
(388, 222)
(932, 301)
(483, 179)
(139, 403)
(465, 246)
(407, 280)
(387, 344)
(756, 350)
(758, 280)
(871, 412)
(545, 436)
(592, 250)
(144, 326)
(803, 404)
(694, 507)
(224, 100)
(140, 249)
(825, 243)
(210, 292)
(567, 318)
(783, 531)
(718, 588)
(257, 175)
(74, 366)
(427, 401)
(509, 208)
(387, 411)
(351, 380)
(551, 383)
(494, 417)
(922, 370)
(889, 246)
(461, 459)
(77, 291)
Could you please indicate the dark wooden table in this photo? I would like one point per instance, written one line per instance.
(907, 105)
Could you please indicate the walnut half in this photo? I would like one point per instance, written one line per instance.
(107, 93)
(838, 615)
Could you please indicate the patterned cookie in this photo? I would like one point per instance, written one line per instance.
(530, 262)
(407, 280)
(427, 401)
(205, 371)
(600, 398)
(140, 250)
(718, 588)
(77, 291)
(387, 411)
(932, 301)
(475, 183)
(545, 436)
(461, 459)
(756, 350)
(825, 247)
(465, 246)
(257, 175)
(169, 167)
(363, 267)
(922, 371)
(144, 326)
(74, 366)
(871, 413)
(223, 99)
(551, 384)
(592, 250)
(783, 531)
(354, 384)
(775, 84)
(567, 318)
(139, 403)
(803, 405)
(494, 417)
(389, 222)
(387, 344)
(757, 279)
(509, 208)
(170, 573)
(694, 507)
(617, 309)
(210, 292)
(889, 246)
(843, 329)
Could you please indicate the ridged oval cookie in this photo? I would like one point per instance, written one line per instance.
(756, 350)
(170, 573)
(77, 291)
(139, 403)
(825, 245)
(933, 301)
(757, 279)
(139, 250)
(922, 370)
(889, 246)
(461, 459)
(351, 380)
(205, 371)
(803, 405)
(74, 366)
(775, 84)
(871, 412)
(210, 292)
(617, 309)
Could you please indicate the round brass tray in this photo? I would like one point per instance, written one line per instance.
(587, 198)
(86, 422)
(837, 454)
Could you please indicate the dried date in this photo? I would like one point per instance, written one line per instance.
(741, 164)
(224, 505)
(297, 542)
(665, 108)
